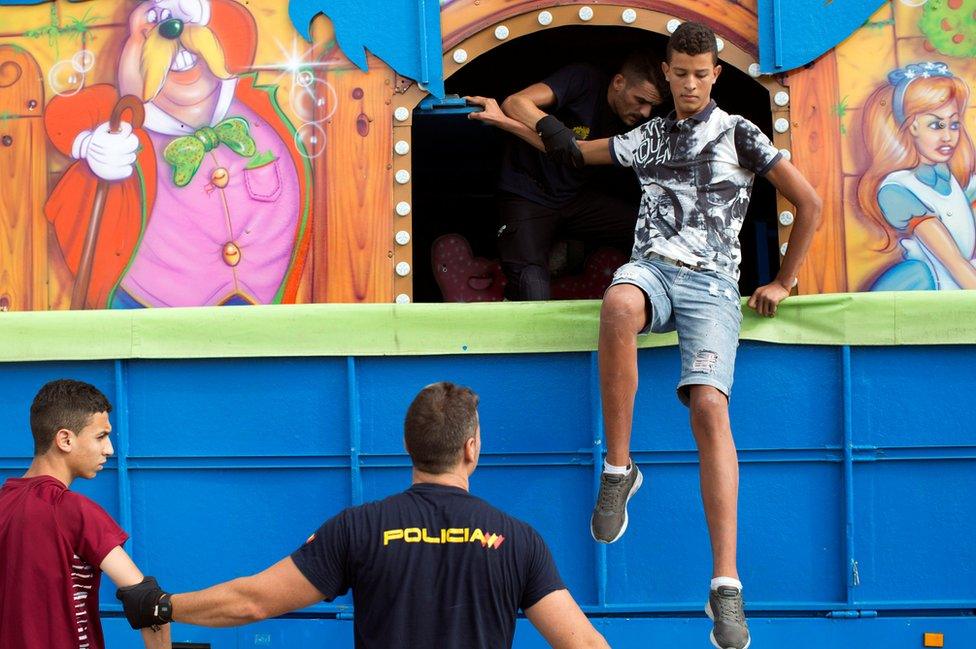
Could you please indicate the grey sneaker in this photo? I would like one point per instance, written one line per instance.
(609, 520)
(729, 629)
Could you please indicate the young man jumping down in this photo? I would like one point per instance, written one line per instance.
(696, 168)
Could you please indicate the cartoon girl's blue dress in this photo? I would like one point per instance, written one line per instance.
(910, 194)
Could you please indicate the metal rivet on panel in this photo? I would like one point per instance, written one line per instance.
(586, 13)
(545, 18)
(402, 147)
(403, 269)
(401, 114)
(403, 298)
(673, 24)
(403, 208)
(501, 32)
(402, 176)
(629, 16)
(402, 237)
(782, 248)
(786, 153)
(781, 98)
(460, 55)
(782, 125)
(719, 44)
(786, 217)
(754, 70)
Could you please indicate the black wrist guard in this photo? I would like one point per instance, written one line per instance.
(145, 604)
(560, 142)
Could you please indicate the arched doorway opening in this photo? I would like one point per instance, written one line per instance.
(454, 161)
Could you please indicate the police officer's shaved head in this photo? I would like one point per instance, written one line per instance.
(441, 419)
(643, 65)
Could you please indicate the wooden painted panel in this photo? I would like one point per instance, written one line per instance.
(816, 146)
(352, 233)
(23, 183)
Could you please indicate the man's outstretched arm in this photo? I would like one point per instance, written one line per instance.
(495, 116)
(123, 572)
(790, 183)
(559, 619)
(279, 589)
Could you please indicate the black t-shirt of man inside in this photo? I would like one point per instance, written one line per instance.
(433, 566)
(581, 104)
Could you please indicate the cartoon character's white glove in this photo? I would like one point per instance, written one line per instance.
(111, 156)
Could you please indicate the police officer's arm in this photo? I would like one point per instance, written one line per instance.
(526, 105)
(272, 592)
(519, 114)
(561, 622)
(493, 115)
(123, 572)
(796, 189)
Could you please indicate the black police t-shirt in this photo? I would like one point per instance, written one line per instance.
(581, 104)
(432, 566)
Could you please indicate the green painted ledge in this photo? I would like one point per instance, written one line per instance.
(917, 318)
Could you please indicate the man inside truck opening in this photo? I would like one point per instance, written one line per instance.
(695, 168)
(539, 197)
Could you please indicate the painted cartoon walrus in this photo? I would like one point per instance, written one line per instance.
(208, 202)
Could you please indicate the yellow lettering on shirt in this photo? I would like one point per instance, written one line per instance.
(443, 536)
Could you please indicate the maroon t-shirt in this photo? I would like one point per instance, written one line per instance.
(52, 541)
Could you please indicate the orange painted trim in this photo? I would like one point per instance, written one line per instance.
(733, 21)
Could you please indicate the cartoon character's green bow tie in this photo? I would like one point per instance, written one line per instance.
(184, 154)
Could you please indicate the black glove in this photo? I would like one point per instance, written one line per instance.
(145, 604)
(560, 142)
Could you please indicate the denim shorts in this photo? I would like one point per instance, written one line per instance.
(703, 306)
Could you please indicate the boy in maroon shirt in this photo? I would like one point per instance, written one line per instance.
(54, 543)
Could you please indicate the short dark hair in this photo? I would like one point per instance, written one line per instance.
(64, 403)
(644, 65)
(441, 419)
(693, 39)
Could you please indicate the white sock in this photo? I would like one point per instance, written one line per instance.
(726, 581)
(619, 470)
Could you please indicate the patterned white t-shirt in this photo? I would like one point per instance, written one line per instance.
(696, 177)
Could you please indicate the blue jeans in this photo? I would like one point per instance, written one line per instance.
(703, 306)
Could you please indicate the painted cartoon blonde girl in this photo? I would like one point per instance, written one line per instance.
(919, 186)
